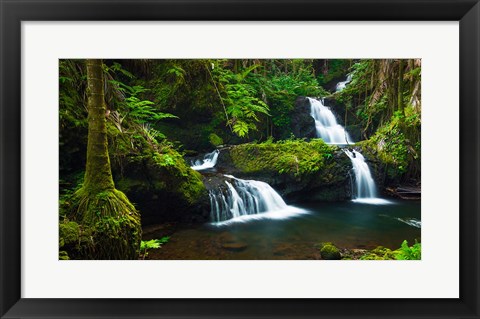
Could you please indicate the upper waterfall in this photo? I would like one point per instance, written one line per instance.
(341, 85)
(326, 125)
(209, 161)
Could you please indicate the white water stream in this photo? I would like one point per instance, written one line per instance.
(341, 85)
(326, 124)
(365, 188)
(246, 200)
(209, 161)
(327, 128)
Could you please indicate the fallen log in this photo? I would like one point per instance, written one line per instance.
(410, 193)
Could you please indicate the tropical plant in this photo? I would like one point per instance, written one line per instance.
(409, 253)
(403, 253)
(152, 244)
(242, 106)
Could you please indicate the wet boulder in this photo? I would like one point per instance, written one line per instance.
(297, 170)
(161, 185)
(302, 123)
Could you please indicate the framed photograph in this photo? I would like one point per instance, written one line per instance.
(239, 159)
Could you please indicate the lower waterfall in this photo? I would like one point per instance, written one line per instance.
(365, 190)
(246, 200)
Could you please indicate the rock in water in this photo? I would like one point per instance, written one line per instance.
(234, 246)
(330, 252)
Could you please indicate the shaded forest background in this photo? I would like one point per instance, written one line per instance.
(196, 105)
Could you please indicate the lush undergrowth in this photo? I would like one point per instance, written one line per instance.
(405, 252)
(400, 156)
(384, 99)
(329, 251)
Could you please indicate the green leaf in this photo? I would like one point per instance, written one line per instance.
(240, 128)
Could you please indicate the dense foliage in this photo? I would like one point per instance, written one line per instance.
(159, 111)
(384, 98)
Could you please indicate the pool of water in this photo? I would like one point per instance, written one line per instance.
(350, 225)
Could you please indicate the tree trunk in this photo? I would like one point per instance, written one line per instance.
(106, 214)
(400, 87)
(98, 174)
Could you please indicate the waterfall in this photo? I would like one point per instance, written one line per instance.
(209, 161)
(333, 133)
(246, 200)
(341, 85)
(365, 188)
(326, 125)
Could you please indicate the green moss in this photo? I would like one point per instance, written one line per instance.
(98, 174)
(328, 251)
(180, 178)
(379, 253)
(390, 144)
(63, 255)
(194, 189)
(156, 176)
(405, 252)
(293, 157)
(75, 240)
(215, 140)
(69, 233)
(113, 221)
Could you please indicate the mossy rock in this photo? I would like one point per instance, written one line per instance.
(297, 169)
(161, 184)
(328, 251)
(69, 233)
(301, 123)
(379, 253)
(74, 240)
(215, 140)
(394, 152)
(292, 157)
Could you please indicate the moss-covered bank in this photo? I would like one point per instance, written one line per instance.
(329, 251)
(157, 179)
(397, 157)
(295, 168)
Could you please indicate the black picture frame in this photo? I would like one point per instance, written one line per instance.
(467, 12)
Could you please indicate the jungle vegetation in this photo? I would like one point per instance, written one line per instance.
(124, 121)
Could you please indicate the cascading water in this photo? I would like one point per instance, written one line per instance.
(326, 125)
(333, 133)
(341, 85)
(209, 161)
(365, 185)
(365, 188)
(248, 199)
